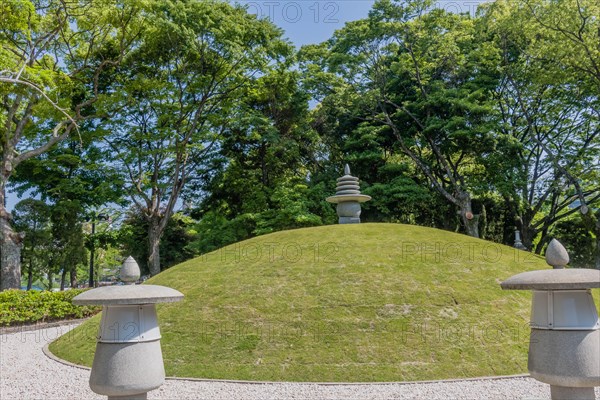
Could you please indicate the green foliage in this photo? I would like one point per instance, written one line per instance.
(52, 61)
(496, 114)
(71, 180)
(293, 206)
(268, 146)
(290, 211)
(412, 87)
(33, 218)
(214, 231)
(54, 56)
(547, 100)
(259, 183)
(71, 170)
(579, 239)
(67, 230)
(18, 307)
(398, 199)
(133, 234)
(179, 94)
(497, 221)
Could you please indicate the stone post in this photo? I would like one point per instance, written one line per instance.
(518, 243)
(348, 198)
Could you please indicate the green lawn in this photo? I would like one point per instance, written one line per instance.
(368, 302)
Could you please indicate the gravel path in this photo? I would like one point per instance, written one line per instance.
(27, 373)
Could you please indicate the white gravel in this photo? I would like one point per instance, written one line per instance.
(27, 373)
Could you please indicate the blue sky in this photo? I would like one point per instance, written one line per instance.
(309, 21)
(312, 21)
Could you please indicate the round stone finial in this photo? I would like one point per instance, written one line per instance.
(556, 255)
(130, 271)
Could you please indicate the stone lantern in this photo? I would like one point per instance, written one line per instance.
(128, 362)
(518, 243)
(564, 348)
(348, 198)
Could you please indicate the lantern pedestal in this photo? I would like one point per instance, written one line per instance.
(126, 369)
(565, 358)
(128, 362)
(571, 393)
(564, 348)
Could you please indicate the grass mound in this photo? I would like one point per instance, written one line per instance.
(368, 302)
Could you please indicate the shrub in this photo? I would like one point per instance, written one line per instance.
(18, 307)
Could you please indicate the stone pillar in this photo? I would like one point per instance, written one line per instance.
(348, 198)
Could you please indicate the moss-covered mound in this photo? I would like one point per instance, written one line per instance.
(368, 302)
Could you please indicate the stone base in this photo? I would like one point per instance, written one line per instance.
(127, 370)
(348, 212)
(141, 396)
(349, 220)
(572, 393)
(565, 358)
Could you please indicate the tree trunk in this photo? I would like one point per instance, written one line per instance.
(598, 243)
(528, 233)
(154, 246)
(50, 283)
(469, 220)
(11, 243)
(30, 275)
(483, 222)
(597, 252)
(73, 277)
(545, 239)
(63, 278)
(471, 224)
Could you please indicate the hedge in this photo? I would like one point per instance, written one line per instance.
(19, 307)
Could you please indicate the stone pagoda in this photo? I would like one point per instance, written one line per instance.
(348, 198)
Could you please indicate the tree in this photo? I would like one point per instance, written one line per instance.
(176, 96)
(268, 146)
(68, 244)
(580, 239)
(400, 193)
(33, 218)
(71, 179)
(549, 103)
(178, 234)
(53, 60)
(425, 78)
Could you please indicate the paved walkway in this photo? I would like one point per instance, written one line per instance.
(27, 373)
